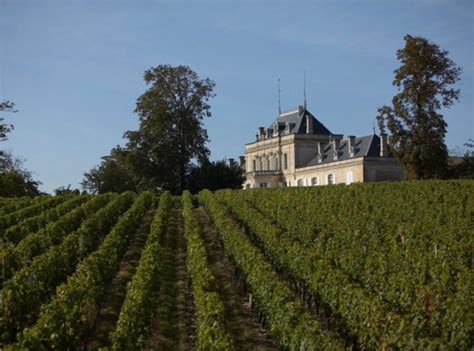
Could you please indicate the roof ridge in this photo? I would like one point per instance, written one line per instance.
(289, 112)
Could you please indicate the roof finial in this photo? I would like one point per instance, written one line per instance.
(304, 87)
(279, 102)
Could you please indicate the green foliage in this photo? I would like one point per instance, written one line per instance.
(211, 325)
(112, 175)
(15, 180)
(387, 266)
(160, 154)
(23, 295)
(14, 204)
(73, 310)
(13, 258)
(171, 134)
(15, 184)
(215, 175)
(392, 255)
(465, 168)
(18, 232)
(6, 128)
(417, 128)
(133, 326)
(62, 190)
(13, 218)
(288, 320)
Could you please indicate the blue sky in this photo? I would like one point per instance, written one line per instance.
(75, 68)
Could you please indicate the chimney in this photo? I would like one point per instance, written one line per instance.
(230, 162)
(309, 124)
(242, 160)
(383, 145)
(335, 144)
(261, 132)
(350, 141)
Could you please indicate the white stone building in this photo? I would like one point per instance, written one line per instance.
(298, 150)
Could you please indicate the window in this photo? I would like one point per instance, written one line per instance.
(268, 164)
(282, 184)
(263, 185)
(274, 163)
(352, 151)
(315, 181)
(247, 186)
(349, 177)
(254, 165)
(285, 161)
(331, 179)
(301, 182)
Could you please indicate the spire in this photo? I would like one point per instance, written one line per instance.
(304, 88)
(279, 102)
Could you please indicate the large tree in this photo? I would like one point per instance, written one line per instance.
(171, 136)
(417, 127)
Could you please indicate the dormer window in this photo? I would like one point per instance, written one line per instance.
(275, 129)
(352, 151)
(335, 155)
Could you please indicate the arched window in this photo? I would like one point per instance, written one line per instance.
(315, 181)
(301, 182)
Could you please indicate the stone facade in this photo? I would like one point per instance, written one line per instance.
(298, 150)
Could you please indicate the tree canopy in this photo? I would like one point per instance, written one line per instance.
(15, 179)
(170, 143)
(216, 175)
(417, 127)
(6, 128)
(171, 134)
(112, 175)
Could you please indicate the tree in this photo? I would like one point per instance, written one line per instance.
(216, 175)
(416, 126)
(171, 136)
(112, 175)
(6, 128)
(15, 180)
(465, 168)
(62, 190)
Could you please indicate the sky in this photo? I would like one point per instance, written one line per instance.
(75, 68)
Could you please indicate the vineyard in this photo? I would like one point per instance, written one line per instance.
(359, 267)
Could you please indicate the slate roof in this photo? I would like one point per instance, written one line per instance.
(297, 120)
(368, 145)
